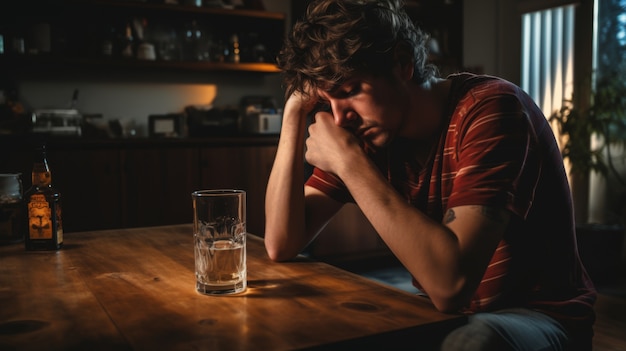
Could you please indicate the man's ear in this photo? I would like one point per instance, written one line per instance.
(403, 55)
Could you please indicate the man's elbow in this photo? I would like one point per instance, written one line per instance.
(451, 301)
(277, 253)
(450, 306)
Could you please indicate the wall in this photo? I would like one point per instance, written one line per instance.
(132, 99)
(492, 37)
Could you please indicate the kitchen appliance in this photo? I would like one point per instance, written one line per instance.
(66, 122)
(260, 115)
(211, 121)
(263, 123)
(167, 126)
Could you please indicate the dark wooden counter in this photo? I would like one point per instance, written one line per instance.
(134, 289)
(122, 183)
(28, 142)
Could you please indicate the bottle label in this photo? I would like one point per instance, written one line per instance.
(39, 218)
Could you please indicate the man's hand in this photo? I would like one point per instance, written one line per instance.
(300, 103)
(329, 146)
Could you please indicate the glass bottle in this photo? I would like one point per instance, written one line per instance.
(234, 55)
(43, 208)
(127, 46)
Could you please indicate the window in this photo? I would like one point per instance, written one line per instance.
(552, 68)
(610, 38)
(548, 56)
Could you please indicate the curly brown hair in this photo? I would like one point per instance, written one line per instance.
(337, 39)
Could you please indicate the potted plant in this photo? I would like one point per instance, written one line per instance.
(604, 121)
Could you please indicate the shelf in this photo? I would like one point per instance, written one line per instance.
(47, 6)
(77, 31)
(238, 12)
(27, 62)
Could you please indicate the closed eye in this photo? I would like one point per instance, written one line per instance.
(350, 91)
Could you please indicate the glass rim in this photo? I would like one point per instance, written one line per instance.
(218, 192)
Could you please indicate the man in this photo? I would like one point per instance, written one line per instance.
(461, 177)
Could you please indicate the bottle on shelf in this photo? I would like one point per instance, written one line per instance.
(234, 47)
(128, 42)
(196, 43)
(43, 208)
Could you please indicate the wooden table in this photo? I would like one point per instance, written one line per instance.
(134, 289)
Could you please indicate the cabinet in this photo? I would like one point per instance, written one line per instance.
(240, 167)
(157, 182)
(89, 179)
(145, 182)
(41, 34)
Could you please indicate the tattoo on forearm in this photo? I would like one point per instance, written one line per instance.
(449, 217)
(491, 213)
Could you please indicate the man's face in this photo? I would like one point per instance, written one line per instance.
(373, 108)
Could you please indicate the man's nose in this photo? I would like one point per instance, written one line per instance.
(343, 115)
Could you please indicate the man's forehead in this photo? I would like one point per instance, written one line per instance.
(329, 88)
(327, 94)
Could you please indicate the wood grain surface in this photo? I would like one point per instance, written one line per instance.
(134, 289)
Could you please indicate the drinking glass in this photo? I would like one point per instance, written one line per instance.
(219, 229)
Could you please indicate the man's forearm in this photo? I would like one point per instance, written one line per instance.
(284, 200)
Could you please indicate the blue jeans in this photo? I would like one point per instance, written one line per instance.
(517, 329)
